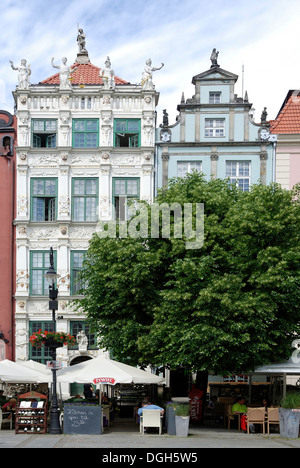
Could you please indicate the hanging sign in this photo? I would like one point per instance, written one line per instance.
(104, 380)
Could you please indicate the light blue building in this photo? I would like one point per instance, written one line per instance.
(215, 133)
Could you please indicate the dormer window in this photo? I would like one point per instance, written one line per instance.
(215, 97)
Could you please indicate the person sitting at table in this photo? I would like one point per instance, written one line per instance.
(77, 398)
(240, 408)
(146, 404)
(10, 407)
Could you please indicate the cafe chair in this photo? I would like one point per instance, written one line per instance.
(150, 418)
(272, 417)
(230, 416)
(7, 420)
(256, 416)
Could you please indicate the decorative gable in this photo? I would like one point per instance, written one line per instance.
(215, 73)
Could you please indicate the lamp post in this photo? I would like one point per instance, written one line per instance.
(51, 276)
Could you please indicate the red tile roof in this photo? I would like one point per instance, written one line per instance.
(86, 73)
(288, 118)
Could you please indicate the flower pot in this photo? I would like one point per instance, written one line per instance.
(170, 420)
(289, 421)
(52, 344)
(182, 425)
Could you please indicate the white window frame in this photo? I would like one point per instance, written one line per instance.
(215, 128)
(240, 175)
(190, 167)
(215, 97)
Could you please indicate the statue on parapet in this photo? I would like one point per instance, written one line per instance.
(65, 73)
(107, 75)
(214, 58)
(24, 73)
(81, 41)
(147, 74)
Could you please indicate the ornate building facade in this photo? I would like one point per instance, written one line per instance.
(86, 145)
(215, 133)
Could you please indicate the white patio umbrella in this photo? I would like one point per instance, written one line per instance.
(12, 372)
(36, 366)
(102, 370)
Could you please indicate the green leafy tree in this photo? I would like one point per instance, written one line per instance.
(226, 307)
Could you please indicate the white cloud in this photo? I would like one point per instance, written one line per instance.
(261, 35)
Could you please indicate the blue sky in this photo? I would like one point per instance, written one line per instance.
(261, 35)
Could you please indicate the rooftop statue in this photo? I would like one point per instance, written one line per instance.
(24, 73)
(65, 73)
(81, 41)
(107, 75)
(214, 58)
(147, 75)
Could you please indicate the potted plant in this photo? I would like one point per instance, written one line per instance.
(182, 419)
(51, 339)
(289, 415)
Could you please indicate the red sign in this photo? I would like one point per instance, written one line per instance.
(104, 380)
(196, 404)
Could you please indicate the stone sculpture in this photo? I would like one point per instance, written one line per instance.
(65, 73)
(24, 73)
(147, 75)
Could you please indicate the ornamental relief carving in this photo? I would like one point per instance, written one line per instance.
(22, 280)
(81, 232)
(42, 233)
(22, 205)
(48, 159)
(64, 205)
(126, 159)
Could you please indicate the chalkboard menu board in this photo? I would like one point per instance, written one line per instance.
(82, 419)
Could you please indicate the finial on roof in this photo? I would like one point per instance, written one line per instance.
(82, 56)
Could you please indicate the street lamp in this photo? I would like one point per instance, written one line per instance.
(51, 276)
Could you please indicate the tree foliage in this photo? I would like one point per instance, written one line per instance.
(227, 307)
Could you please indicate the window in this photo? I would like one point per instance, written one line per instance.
(127, 133)
(85, 133)
(77, 327)
(214, 98)
(124, 189)
(39, 265)
(41, 354)
(43, 199)
(239, 173)
(187, 167)
(214, 127)
(77, 259)
(84, 199)
(44, 133)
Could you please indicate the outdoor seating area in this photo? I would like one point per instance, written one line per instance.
(117, 394)
(263, 416)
